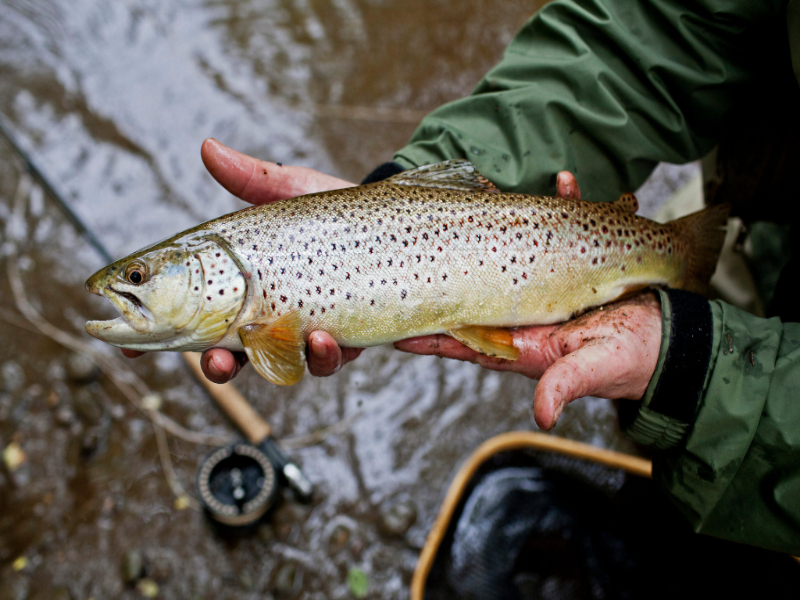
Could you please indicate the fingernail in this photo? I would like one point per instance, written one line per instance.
(213, 368)
(557, 414)
(320, 350)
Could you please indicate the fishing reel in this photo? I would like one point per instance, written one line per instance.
(238, 484)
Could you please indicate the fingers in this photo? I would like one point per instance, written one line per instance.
(261, 182)
(221, 365)
(325, 357)
(582, 373)
(567, 186)
(131, 353)
(534, 345)
(437, 345)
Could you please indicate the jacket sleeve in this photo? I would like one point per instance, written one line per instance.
(606, 90)
(603, 89)
(737, 473)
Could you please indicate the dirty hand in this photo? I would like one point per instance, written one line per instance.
(610, 352)
(261, 182)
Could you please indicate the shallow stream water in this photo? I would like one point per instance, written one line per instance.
(112, 101)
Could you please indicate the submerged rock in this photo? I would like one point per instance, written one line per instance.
(81, 369)
(398, 517)
(132, 566)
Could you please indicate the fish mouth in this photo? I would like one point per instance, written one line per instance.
(127, 329)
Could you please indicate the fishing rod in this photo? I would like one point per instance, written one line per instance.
(237, 484)
(5, 132)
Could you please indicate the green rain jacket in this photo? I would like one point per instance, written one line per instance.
(607, 90)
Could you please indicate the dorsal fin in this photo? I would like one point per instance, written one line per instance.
(456, 174)
(627, 202)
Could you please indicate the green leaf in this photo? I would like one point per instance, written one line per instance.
(357, 582)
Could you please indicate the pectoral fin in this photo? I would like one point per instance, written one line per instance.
(490, 341)
(276, 349)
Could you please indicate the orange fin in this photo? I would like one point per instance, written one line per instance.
(627, 202)
(491, 341)
(276, 349)
(704, 233)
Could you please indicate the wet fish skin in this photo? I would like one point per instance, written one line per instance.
(403, 257)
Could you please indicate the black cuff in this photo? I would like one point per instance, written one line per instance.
(382, 172)
(665, 415)
(686, 364)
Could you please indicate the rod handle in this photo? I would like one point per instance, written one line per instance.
(233, 404)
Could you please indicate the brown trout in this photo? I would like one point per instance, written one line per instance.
(432, 250)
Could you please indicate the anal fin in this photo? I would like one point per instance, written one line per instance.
(276, 349)
(491, 341)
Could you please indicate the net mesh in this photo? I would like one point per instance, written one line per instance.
(546, 526)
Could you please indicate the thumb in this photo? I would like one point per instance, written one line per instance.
(581, 373)
(258, 181)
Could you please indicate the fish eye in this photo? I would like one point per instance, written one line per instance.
(136, 273)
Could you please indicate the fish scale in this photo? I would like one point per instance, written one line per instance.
(400, 258)
(432, 250)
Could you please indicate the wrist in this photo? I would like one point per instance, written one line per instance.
(668, 407)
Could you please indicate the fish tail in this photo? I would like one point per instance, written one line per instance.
(704, 234)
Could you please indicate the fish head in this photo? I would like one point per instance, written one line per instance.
(182, 294)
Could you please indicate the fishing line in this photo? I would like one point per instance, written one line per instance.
(50, 190)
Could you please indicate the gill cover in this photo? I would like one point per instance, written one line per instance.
(182, 294)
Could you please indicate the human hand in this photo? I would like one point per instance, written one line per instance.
(261, 182)
(610, 352)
